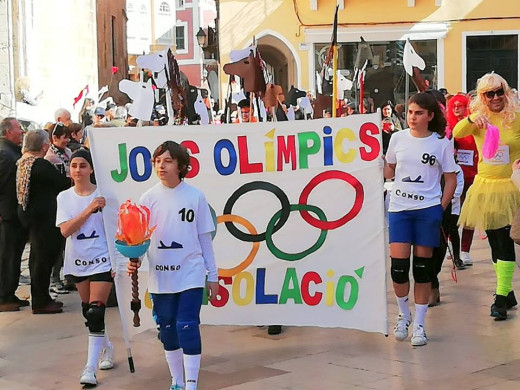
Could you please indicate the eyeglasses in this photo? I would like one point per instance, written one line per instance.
(491, 94)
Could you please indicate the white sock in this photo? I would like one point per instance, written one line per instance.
(420, 313)
(174, 359)
(107, 343)
(191, 368)
(95, 343)
(404, 307)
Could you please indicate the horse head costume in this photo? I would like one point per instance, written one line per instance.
(250, 71)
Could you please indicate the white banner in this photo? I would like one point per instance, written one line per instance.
(299, 213)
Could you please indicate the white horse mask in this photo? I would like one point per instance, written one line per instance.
(411, 59)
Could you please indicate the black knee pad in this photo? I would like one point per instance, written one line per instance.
(96, 317)
(84, 309)
(400, 270)
(422, 269)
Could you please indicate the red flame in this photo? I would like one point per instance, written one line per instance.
(132, 224)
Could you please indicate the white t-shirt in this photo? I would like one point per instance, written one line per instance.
(175, 258)
(86, 250)
(420, 163)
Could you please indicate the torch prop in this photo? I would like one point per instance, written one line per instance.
(134, 252)
(132, 241)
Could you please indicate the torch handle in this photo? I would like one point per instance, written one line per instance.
(135, 304)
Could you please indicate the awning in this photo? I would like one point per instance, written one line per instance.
(416, 32)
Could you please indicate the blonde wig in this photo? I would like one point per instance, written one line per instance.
(492, 82)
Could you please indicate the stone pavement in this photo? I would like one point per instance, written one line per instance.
(466, 350)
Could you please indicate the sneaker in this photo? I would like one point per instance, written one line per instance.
(401, 327)
(511, 300)
(58, 288)
(88, 378)
(106, 358)
(499, 308)
(459, 264)
(466, 259)
(419, 336)
(176, 387)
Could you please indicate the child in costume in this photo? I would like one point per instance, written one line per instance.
(87, 262)
(180, 256)
(417, 157)
(492, 200)
(467, 155)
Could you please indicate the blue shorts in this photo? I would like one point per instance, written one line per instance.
(416, 227)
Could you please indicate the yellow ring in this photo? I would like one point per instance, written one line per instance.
(228, 272)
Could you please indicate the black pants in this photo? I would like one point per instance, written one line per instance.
(45, 248)
(502, 246)
(13, 238)
(449, 229)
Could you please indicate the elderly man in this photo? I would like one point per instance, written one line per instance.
(63, 115)
(12, 235)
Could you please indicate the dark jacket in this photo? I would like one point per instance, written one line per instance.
(9, 154)
(46, 183)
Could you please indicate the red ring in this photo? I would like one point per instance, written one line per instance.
(356, 207)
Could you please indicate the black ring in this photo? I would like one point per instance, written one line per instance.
(257, 185)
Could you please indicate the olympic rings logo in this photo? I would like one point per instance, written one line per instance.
(279, 219)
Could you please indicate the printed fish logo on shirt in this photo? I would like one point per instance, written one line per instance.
(408, 179)
(82, 236)
(174, 245)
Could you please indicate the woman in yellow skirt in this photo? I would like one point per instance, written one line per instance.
(493, 199)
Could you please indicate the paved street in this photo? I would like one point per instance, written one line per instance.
(466, 350)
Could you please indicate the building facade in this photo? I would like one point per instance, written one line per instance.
(155, 25)
(59, 47)
(459, 40)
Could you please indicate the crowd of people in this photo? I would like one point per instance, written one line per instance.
(450, 162)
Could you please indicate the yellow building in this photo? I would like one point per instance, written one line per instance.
(459, 40)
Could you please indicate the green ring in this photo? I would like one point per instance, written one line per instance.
(300, 255)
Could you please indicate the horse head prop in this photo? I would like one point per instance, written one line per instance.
(273, 95)
(293, 95)
(250, 70)
(413, 64)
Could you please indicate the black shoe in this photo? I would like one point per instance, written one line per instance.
(21, 302)
(511, 300)
(274, 329)
(459, 264)
(50, 308)
(69, 286)
(499, 308)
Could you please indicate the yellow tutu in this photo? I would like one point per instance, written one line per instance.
(490, 204)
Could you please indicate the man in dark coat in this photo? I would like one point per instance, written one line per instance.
(13, 235)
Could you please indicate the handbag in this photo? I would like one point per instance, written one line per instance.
(515, 228)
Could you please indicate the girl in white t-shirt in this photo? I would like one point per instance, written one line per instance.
(87, 262)
(417, 158)
(180, 256)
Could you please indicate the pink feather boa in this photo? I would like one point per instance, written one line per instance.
(491, 141)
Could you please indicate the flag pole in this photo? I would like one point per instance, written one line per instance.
(334, 80)
(335, 63)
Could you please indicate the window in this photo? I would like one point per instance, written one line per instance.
(164, 8)
(180, 38)
(485, 53)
